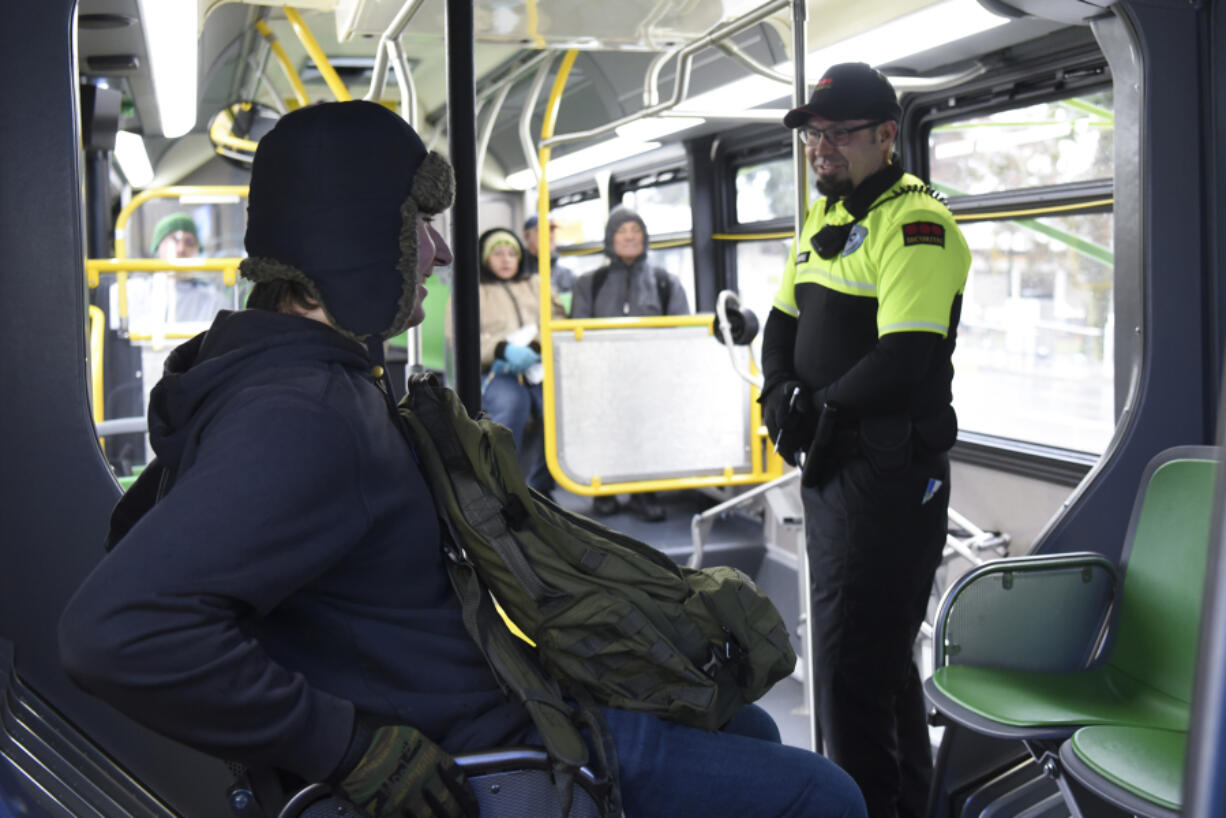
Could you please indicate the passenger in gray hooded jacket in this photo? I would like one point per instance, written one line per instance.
(627, 285)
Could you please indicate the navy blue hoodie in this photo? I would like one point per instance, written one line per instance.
(291, 575)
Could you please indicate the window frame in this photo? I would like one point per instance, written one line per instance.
(1054, 79)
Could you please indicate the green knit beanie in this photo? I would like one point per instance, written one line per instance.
(172, 224)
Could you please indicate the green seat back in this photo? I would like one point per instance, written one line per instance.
(433, 342)
(1164, 575)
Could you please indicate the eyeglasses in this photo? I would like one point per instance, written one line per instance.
(838, 137)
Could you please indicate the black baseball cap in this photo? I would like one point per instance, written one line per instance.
(850, 90)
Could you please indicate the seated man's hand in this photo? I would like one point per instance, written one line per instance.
(403, 773)
(790, 417)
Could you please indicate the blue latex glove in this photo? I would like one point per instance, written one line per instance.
(501, 367)
(519, 358)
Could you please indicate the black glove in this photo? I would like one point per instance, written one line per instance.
(790, 417)
(402, 773)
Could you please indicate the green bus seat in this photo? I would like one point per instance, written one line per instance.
(1036, 647)
(1045, 648)
(1138, 769)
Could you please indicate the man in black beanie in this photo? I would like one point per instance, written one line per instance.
(856, 360)
(275, 593)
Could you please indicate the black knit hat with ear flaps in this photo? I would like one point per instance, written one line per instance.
(335, 193)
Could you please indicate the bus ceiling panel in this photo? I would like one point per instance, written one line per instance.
(111, 50)
(640, 25)
(949, 57)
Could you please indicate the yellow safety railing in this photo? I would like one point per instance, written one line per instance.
(317, 54)
(300, 95)
(765, 465)
(121, 265)
(97, 334)
(303, 32)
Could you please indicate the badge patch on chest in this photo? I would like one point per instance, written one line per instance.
(801, 258)
(923, 233)
(854, 239)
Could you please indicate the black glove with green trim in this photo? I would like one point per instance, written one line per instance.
(403, 774)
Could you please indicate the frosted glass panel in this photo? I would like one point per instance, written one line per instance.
(649, 404)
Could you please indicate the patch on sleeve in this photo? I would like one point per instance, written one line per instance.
(923, 233)
(801, 258)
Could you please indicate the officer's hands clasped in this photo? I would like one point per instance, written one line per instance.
(403, 774)
(791, 419)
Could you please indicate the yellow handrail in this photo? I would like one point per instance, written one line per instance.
(763, 467)
(97, 323)
(121, 265)
(545, 298)
(317, 54)
(221, 132)
(228, 267)
(300, 94)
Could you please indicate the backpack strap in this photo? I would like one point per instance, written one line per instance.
(598, 279)
(663, 290)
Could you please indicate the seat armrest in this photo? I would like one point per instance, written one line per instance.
(509, 782)
(1035, 613)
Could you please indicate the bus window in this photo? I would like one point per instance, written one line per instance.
(665, 208)
(679, 261)
(765, 191)
(1068, 140)
(1035, 360)
(759, 270)
(580, 222)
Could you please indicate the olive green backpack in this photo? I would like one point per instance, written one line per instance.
(610, 617)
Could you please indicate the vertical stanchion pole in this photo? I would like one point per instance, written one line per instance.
(462, 128)
(799, 97)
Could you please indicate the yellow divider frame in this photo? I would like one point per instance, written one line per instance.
(97, 335)
(121, 265)
(765, 464)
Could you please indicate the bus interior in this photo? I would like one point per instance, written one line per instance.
(1077, 143)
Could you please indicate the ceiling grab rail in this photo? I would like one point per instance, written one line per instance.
(745, 58)
(303, 31)
(287, 67)
(389, 48)
(487, 130)
(525, 133)
(685, 57)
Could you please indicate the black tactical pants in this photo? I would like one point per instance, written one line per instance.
(874, 541)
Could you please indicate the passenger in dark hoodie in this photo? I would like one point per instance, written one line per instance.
(284, 602)
(275, 592)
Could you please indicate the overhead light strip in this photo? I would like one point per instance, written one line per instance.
(170, 41)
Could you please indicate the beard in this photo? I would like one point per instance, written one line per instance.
(834, 188)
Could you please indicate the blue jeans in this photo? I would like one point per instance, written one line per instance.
(668, 770)
(511, 404)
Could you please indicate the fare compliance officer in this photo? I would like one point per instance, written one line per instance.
(856, 358)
